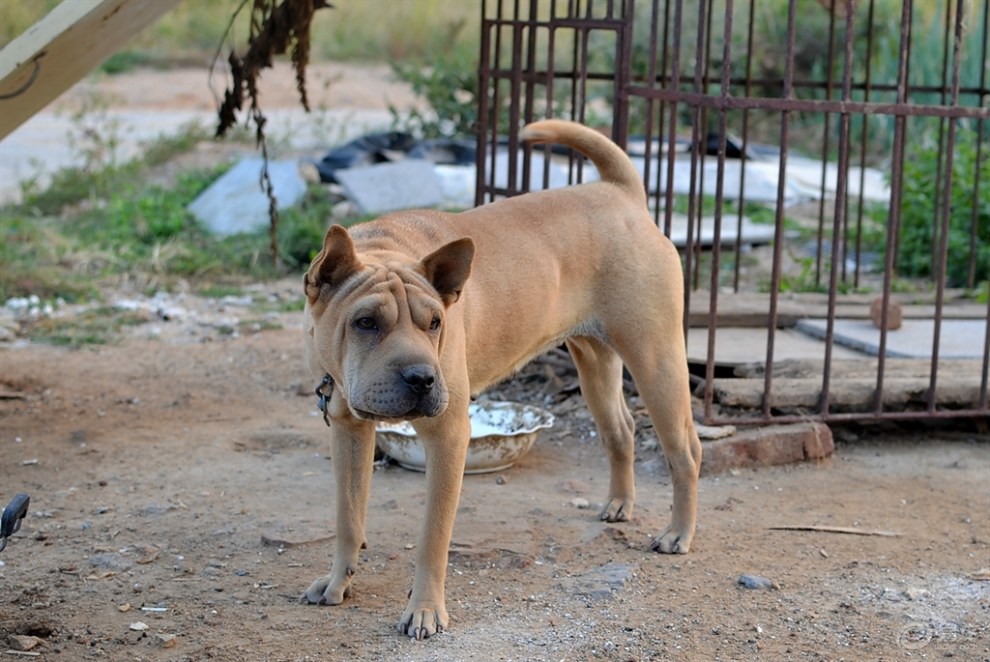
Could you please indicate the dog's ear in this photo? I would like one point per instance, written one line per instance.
(448, 268)
(336, 261)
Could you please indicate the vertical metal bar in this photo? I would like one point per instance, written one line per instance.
(701, 138)
(651, 77)
(661, 141)
(690, 248)
(551, 63)
(515, 86)
(980, 125)
(529, 100)
(778, 233)
(820, 238)
(905, 47)
(484, 71)
(841, 184)
(675, 84)
(864, 141)
(496, 100)
(896, 190)
(741, 200)
(943, 248)
(623, 56)
(582, 93)
(984, 402)
(939, 192)
(717, 232)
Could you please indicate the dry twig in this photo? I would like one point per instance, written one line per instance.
(837, 529)
(276, 28)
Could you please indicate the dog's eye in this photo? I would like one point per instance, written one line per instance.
(366, 324)
(435, 324)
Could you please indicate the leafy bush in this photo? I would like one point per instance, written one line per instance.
(920, 213)
(449, 88)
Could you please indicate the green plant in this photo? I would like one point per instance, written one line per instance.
(449, 88)
(301, 229)
(97, 326)
(124, 61)
(920, 211)
(219, 291)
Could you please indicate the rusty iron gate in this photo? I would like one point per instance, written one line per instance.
(821, 164)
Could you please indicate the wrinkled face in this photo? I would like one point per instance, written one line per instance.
(379, 335)
(376, 326)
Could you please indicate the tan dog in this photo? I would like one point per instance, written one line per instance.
(397, 329)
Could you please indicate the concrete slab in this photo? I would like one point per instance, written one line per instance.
(749, 233)
(958, 339)
(235, 202)
(44, 143)
(385, 187)
(736, 346)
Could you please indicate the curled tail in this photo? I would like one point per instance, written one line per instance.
(613, 164)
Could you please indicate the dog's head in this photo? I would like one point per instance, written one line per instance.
(376, 324)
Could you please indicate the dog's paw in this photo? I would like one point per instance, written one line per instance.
(617, 510)
(423, 622)
(325, 591)
(672, 542)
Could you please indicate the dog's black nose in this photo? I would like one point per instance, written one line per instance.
(420, 378)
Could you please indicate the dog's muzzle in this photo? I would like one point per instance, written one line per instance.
(419, 378)
(402, 394)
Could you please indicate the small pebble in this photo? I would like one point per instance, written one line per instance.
(755, 582)
(166, 640)
(22, 642)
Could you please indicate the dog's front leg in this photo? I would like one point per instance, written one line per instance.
(446, 450)
(353, 456)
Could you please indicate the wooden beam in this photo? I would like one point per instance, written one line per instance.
(57, 51)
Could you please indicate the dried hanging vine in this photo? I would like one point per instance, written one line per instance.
(276, 28)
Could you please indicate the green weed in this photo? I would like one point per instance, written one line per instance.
(968, 261)
(97, 326)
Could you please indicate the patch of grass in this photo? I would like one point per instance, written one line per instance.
(219, 291)
(36, 258)
(301, 229)
(98, 326)
(123, 61)
(107, 224)
(294, 305)
(167, 147)
(249, 326)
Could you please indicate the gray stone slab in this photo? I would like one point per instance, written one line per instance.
(385, 187)
(748, 232)
(235, 202)
(958, 339)
(740, 345)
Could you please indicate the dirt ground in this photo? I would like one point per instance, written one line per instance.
(181, 479)
(182, 499)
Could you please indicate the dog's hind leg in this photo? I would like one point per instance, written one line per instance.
(353, 457)
(661, 375)
(600, 374)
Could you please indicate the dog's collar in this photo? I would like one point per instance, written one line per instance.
(323, 392)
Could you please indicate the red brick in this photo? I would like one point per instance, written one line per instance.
(767, 446)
